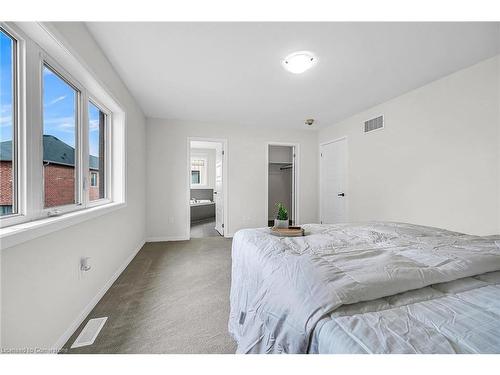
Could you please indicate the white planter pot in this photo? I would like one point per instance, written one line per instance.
(280, 223)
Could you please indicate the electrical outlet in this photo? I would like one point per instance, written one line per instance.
(85, 264)
(84, 267)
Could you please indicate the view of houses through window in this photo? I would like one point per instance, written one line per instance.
(60, 129)
(97, 123)
(7, 124)
(55, 139)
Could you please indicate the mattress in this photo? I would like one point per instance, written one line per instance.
(365, 288)
(461, 316)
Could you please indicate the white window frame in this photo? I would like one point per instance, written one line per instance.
(32, 219)
(108, 180)
(47, 61)
(19, 196)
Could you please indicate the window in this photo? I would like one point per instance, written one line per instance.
(195, 177)
(93, 179)
(97, 152)
(8, 124)
(198, 171)
(6, 209)
(62, 146)
(60, 129)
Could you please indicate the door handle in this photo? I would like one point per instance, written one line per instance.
(215, 192)
(340, 195)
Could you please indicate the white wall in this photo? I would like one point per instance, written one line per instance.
(42, 292)
(437, 160)
(247, 171)
(280, 154)
(209, 154)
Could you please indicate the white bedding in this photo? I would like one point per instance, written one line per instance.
(461, 316)
(285, 292)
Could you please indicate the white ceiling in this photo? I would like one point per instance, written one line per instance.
(232, 73)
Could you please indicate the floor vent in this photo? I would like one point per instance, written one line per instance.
(374, 124)
(89, 332)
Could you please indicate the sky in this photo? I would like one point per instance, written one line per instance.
(5, 88)
(58, 104)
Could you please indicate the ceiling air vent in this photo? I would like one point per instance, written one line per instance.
(374, 124)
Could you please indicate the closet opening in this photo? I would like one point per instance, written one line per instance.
(282, 181)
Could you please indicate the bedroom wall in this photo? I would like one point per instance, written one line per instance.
(247, 170)
(437, 162)
(43, 295)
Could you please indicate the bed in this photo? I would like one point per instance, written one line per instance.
(365, 288)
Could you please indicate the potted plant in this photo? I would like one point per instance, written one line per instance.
(281, 220)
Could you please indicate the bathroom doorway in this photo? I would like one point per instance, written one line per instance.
(206, 188)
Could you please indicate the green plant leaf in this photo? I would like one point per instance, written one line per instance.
(282, 213)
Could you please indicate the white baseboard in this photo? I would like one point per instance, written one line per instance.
(176, 238)
(167, 238)
(86, 311)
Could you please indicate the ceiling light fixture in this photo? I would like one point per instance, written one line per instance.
(299, 62)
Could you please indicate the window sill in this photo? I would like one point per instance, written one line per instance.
(19, 233)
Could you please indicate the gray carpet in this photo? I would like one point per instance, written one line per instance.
(172, 298)
(204, 228)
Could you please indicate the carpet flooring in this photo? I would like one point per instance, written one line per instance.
(205, 228)
(172, 298)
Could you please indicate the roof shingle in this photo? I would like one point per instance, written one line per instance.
(54, 151)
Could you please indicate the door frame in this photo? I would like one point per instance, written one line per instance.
(320, 192)
(297, 179)
(225, 158)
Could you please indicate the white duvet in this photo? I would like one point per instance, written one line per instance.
(284, 289)
(461, 316)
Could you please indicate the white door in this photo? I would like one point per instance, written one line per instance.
(218, 191)
(334, 182)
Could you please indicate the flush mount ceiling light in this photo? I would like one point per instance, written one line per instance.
(299, 62)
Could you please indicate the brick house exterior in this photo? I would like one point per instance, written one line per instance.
(59, 185)
(94, 190)
(5, 184)
(59, 174)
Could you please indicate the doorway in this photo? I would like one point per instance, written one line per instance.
(333, 182)
(206, 187)
(282, 180)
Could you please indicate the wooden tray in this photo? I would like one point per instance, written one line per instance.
(287, 232)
